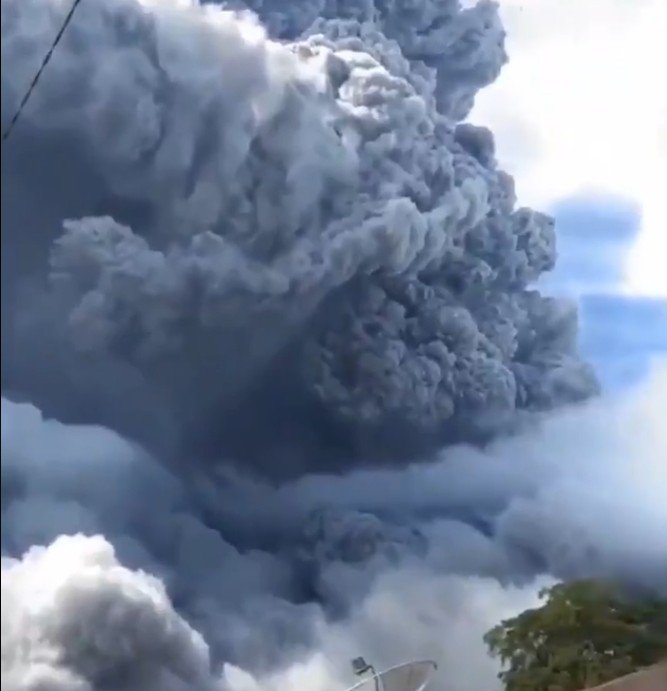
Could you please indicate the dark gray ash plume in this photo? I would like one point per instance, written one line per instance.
(258, 276)
(226, 219)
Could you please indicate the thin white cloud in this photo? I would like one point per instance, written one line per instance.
(580, 108)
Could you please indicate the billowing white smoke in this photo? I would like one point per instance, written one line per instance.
(290, 256)
(465, 48)
(232, 199)
(74, 619)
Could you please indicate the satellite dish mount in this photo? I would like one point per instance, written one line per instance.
(410, 676)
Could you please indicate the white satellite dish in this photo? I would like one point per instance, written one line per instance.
(410, 676)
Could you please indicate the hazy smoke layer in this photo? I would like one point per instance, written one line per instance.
(233, 264)
(291, 581)
(227, 225)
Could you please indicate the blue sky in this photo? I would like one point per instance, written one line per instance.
(622, 333)
(581, 123)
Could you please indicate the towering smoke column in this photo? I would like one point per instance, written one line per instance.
(203, 225)
(244, 247)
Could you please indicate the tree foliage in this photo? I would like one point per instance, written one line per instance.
(585, 633)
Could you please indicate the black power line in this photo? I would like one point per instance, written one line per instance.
(38, 74)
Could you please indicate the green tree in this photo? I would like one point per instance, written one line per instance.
(585, 633)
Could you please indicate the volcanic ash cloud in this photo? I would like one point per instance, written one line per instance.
(225, 220)
(259, 276)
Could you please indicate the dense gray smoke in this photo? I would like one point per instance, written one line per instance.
(290, 582)
(258, 278)
(203, 222)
